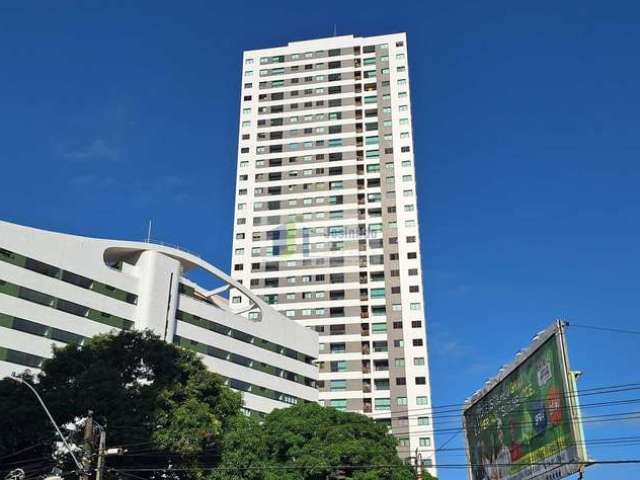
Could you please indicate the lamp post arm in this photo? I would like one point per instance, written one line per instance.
(53, 422)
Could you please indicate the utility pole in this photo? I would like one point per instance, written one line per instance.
(101, 454)
(418, 466)
(88, 439)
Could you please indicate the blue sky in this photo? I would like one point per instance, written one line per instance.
(527, 140)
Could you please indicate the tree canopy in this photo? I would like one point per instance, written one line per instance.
(178, 421)
(310, 442)
(157, 400)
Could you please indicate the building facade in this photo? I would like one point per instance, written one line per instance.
(326, 225)
(59, 289)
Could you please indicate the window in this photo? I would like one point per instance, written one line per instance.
(418, 361)
(403, 442)
(338, 366)
(339, 347)
(417, 342)
(415, 306)
(425, 442)
(381, 384)
(338, 404)
(379, 328)
(337, 385)
(401, 401)
(423, 421)
(422, 400)
(376, 293)
(383, 404)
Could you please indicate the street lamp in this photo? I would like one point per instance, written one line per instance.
(64, 441)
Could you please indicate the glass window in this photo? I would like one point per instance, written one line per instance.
(379, 327)
(376, 293)
(383, 404)
(338, 366)
(337, 385)
(338, 404)
(423, 421)
(425, 442)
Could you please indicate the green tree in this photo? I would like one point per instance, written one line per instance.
(158, 401)
(310, 442)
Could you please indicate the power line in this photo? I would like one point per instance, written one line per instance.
(452, 418)
(372, 466)
(604, 329)
(26, 449)
(518, 400)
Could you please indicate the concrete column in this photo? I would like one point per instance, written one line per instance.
(158, 296)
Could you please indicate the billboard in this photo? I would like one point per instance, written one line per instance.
(525, 423)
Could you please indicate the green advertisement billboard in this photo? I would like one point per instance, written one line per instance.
(526, 425)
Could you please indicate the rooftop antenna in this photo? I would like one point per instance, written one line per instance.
(148, 231)
(335, 29)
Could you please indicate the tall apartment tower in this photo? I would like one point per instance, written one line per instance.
(326, 220)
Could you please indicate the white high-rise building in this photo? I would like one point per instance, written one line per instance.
(326, 220)
(57, 289)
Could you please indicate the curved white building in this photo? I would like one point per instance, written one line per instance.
(57, 288)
